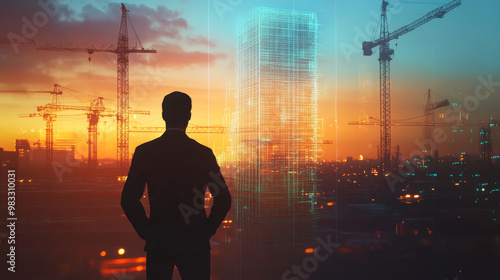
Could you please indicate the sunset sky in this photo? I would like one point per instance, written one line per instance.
(196, 54)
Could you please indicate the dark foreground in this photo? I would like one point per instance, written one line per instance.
(74, 230)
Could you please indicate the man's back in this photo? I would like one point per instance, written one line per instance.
(176, 169)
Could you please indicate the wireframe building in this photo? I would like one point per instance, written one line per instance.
(275, 139)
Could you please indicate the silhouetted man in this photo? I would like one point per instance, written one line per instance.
(177, 171)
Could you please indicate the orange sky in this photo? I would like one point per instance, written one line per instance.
(196, 55)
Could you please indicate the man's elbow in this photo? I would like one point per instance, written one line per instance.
(125, 203)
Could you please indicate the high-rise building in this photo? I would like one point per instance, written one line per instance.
(485, 143)
(275, 139)
(24, 151)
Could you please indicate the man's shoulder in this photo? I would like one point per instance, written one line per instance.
(194, 145)
(148, 145)
(200, 147)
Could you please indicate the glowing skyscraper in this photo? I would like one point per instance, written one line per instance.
(275, 138)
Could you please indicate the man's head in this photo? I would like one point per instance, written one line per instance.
(176, 109)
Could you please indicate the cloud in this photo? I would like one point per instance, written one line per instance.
(161, 27)
(175, 56)
(91, 24)
(183, 59)
(200, 40)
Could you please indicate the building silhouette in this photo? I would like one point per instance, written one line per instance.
(485, 143)
(275, 139)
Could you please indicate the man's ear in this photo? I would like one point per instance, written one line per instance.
(163, 116)
(189, 116)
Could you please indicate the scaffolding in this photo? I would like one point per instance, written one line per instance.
(275, 137)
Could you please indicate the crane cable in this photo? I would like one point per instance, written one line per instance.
(88, 95)
(133, 29)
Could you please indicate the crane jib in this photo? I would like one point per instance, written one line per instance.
(436, 13)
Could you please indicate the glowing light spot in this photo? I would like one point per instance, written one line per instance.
(103, 253)
(121, 251)
(309, 250)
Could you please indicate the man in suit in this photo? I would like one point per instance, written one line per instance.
(177, 171)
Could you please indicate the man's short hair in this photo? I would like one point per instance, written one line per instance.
(176, 108)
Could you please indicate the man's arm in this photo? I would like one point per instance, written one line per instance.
(221, 195)
(131, 196)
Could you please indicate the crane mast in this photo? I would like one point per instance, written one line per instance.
(385, 57)
(49, 116)
(122, 93)
(94, 112)
(385, 91)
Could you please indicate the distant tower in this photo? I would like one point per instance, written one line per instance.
(429, 120)
(457, 134)
(276, 145)
(24, 151)
(485, 143)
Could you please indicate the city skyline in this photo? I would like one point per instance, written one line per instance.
(274, 85)
(197, 44)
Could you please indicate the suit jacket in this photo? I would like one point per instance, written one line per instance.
(177, 170)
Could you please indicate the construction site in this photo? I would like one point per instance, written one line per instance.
(322, 188)
(57, 151)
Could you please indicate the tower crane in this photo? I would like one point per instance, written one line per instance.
(15, 44)
(215, 129)
(385, 56)
(430, 122)
(430, 107)
(93, 112)
(49, 114)
(122, 51)
(49, 117)
(428, 115)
